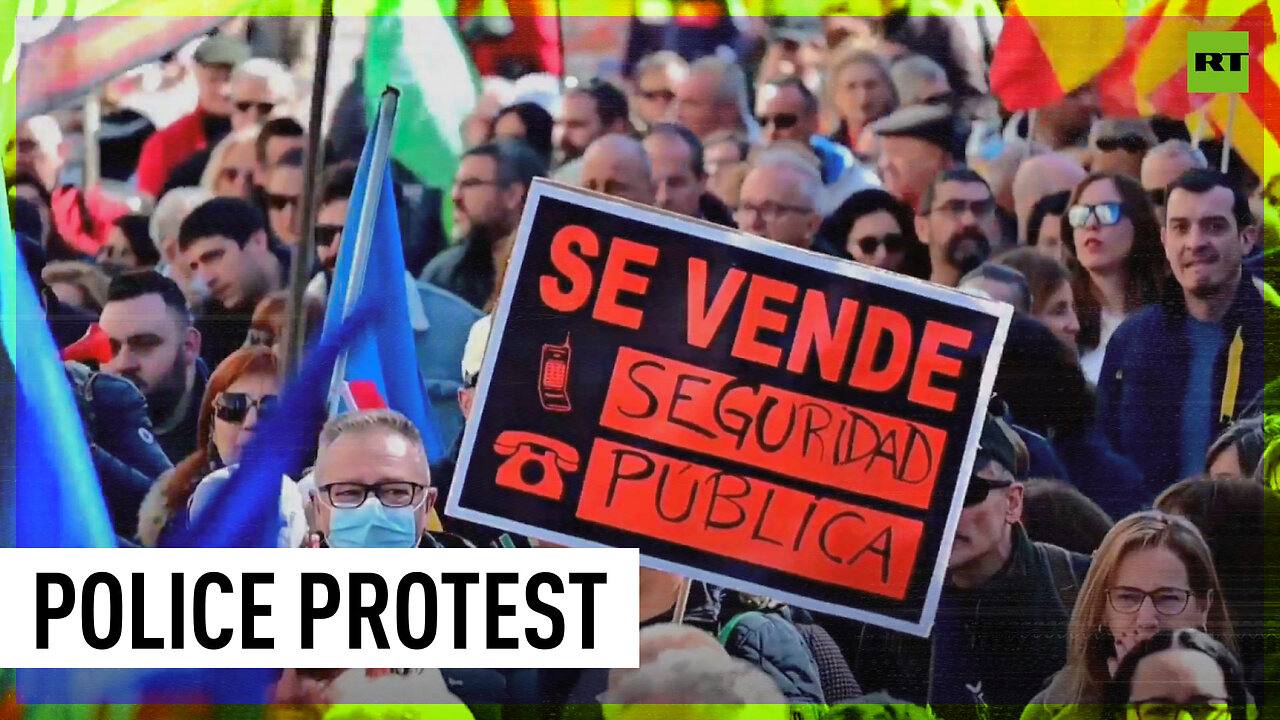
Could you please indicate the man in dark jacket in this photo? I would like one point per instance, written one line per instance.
(488, 197)
(155, 346)
(1002, 617)
(1175, 375)
(224, 241)
(124, 452)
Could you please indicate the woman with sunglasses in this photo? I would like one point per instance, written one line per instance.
(240, 390)
(1180, 675)
(230, 169)
(1110, 230)
(1153, 572)
(871, 227)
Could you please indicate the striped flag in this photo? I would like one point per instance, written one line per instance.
(1042, 56)
(1255, 131)
(1150, 75)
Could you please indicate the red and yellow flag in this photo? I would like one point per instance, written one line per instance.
(1255, 131)
(1041, 55)
(1150, 75)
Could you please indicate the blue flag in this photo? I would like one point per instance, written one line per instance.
(59, 501)
(381, 367)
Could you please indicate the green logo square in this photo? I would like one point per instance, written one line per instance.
(1218, 62)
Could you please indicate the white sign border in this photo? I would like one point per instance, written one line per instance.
(542, 188)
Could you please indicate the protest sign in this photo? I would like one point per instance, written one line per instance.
(750, 414)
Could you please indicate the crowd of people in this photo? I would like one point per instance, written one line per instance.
(1108, 559)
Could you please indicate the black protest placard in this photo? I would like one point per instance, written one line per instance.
(750, 414)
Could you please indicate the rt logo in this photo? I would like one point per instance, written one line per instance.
(1217, 62)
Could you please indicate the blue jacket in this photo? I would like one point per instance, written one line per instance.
(1101, 474)
(767, 638)
(1144, 378)
(440, 336)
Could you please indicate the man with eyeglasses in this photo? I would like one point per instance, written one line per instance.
(373, 484)
(1165, 163)
(1004, 609)
(657, 77)
(1177, 374)
(488, 196)
(779, 199)
(957, 222)
(439, 319)
(215, 60)
(155, 345)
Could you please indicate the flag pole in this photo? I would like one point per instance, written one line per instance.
(379, 158)
(305, 249)
(1226, 133)
(1197, 132)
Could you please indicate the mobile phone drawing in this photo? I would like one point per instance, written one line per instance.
(553, 380)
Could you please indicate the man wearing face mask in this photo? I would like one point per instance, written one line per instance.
(373, 485)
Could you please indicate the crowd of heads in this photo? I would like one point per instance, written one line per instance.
(853, 143)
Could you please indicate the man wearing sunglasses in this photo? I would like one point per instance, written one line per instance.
(1185, 369)
(1165, 163)
(1004, 609)
(282, 194)
(657, 77)
(789, 113)
(215, 59)
(1118, 146)
(258, 87)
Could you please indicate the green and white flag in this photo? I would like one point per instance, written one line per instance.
(414, 46)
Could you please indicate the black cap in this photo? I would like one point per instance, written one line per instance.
(222, 50)
(935, 124)
(1000, 442)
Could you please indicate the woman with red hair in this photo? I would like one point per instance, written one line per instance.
(240, 391)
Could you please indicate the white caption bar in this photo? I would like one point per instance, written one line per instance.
(231, 608)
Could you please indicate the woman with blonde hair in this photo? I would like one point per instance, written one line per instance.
(1153, 572)
(78, 284)
(229, 172)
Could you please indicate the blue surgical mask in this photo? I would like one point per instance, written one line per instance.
(373, 525)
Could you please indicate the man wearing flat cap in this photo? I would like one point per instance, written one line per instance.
(916, 143)
(215, 58)
(1004, 609)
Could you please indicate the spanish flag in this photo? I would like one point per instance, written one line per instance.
(1254, 131)
(1041, 55)
(1150, 75)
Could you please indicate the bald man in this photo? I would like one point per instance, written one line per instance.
(1038, 176)
(617, 165)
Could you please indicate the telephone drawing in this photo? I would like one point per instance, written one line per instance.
(535, 463)
(553, 378)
